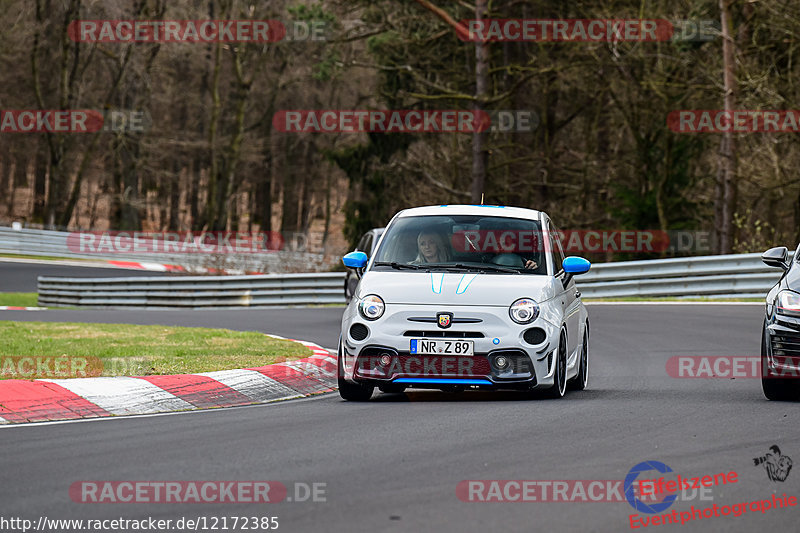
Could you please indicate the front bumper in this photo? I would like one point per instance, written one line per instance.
(503, 368)
(377, 352)
(783, 345)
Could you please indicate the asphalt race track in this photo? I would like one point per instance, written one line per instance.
(393, 464)
(21, 276)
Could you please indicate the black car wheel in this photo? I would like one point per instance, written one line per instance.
(560, 377)
(579, 382)
(775, 388)
(353, 392)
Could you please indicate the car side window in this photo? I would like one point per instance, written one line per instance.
(558, 253)
(367, 249)
(363, 243)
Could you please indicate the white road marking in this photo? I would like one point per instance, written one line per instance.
(216, 410)
(252, 384)
(123, 395)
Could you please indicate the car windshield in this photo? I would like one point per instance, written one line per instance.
(463, 243)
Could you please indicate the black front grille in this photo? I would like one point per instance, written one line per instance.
(443, 334)
(786, 348)
(359, 332)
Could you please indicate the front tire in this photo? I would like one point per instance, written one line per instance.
(775, 389)
(579, 382)
(560, 373)
(353, 392)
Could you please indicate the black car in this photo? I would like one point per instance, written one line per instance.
(780, 337)
(367, 245)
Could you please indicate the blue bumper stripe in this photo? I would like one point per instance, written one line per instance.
(444, 381)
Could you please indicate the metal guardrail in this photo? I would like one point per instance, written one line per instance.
(720, 276)
(38, 242)
(713, 276)
(193, 292)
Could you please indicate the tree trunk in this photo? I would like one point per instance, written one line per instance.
(5, 178)
(228, 185)
(211, 202)
(480, 156)
(39, 183)
(193, 173)
(174, 197)
(726, 177)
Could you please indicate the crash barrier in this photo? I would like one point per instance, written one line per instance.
(292, 257)
(712, 276)
(715, 276)
(190, 292)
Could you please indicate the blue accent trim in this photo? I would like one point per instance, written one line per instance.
(438, 381)
(463, 288)
(576, 265)
(355, 260)
(440, 275)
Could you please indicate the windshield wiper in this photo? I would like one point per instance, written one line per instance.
(397, 266)
(478, 268)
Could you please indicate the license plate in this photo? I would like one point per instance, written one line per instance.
(441, 347)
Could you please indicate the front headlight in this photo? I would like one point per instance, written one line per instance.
(523, 311)
(788, 303)
(371, 307)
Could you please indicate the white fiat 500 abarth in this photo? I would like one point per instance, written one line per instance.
(465, 297)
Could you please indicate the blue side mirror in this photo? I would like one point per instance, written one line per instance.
(356, 260)
(576, 265)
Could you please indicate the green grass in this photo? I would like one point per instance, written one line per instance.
(18, 299)
(131, 350)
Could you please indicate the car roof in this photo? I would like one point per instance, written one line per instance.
(483, 210)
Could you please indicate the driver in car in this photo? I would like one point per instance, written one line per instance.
(432, 248)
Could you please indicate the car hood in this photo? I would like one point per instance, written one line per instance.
(456, 288)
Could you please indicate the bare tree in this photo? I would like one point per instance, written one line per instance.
(480, 156)
(726, 188)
